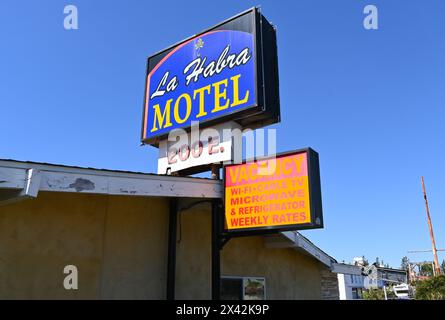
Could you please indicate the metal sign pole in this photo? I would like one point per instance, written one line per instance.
(216, 243)
(171, 263)
(216, 252)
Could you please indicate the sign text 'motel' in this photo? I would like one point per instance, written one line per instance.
(228, 72)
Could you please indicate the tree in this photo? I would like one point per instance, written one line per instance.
(431, 289)
(426, 270)
(404, 264)
(385, 265)
(365, 261)
(443, 267)
(377, 261)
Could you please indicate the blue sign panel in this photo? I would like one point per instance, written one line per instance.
(204, 78)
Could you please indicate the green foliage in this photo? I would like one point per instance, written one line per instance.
(374, 294)
(431, 289)
(426, 270)
(378, 294)
(404, 263)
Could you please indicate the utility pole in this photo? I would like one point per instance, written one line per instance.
(430, 227)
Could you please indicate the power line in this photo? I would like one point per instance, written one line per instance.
(416, 251)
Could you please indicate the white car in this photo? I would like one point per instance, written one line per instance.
(403, 291)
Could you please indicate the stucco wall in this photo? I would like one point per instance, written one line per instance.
(135, 253)
(119, 245)
(289, 274)
(193, 259)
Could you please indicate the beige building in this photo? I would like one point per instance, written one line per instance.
(113, 227)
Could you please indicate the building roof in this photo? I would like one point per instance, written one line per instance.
(345, 268)
(64, 167)
(294, 239)
(21, 179)
(354, 269)
(384, 269)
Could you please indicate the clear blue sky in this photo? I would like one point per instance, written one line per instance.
(370, 102)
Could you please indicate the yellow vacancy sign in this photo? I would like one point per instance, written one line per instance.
(272, 193)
